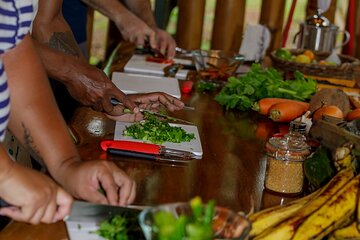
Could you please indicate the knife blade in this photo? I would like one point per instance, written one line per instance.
(114, 101)
(91, 212)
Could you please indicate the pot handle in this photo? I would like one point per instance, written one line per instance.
(295, 37)
(347, 38)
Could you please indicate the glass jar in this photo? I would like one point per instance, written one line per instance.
(285, 161)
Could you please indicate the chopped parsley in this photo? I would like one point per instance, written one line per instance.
(156, 131)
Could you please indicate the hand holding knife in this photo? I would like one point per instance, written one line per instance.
(117, 102)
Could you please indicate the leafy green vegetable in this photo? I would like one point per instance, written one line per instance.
(241, 93)
(157, 131)
(121, 227)
(194, 227)
(318, 168)
(206, 86)
(114, 229)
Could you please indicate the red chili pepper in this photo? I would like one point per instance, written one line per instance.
(187, 86)
(159, 60)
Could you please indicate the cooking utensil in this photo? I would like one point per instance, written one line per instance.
(318, 34)
(153, 157)
(117, 102)
(84, 212)
(146, 148)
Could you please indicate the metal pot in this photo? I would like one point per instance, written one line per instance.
(318, 34)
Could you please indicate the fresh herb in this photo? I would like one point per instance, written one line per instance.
(196, 226)
(156, 131)
(241, 93)
(121, 227)
(114, 228)
(206, 86)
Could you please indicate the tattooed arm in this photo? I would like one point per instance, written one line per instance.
(63, 61)
(37, 123)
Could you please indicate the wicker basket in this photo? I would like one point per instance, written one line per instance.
(344, 71)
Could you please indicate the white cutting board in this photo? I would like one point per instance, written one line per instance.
(193, 146)
(138, 64)
(135, 83)
(82, 230)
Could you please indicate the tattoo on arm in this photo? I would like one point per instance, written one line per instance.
(29, 141)
(64, 42)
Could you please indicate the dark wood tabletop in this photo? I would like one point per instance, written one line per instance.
(231, 170)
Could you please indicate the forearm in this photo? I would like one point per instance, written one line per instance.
(142, 9)
(35, 119)
(58, 65)
(50, 28)
(6, 165)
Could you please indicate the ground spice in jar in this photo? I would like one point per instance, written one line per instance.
(285, 161)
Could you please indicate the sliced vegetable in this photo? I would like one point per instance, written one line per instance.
(263, 105)
(156, 131)
(197, 226)
(114, 228)
(354, 114)
(332, 111)
(286, 111)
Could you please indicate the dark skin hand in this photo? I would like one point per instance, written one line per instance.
(64, 62)
(150, 101)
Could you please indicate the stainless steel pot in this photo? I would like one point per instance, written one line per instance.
(318, 34)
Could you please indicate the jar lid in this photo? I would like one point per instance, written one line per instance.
(291, 147)
(318, 20)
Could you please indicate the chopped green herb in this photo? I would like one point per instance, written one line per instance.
(114, 228)
(156, 131)
(206, 86)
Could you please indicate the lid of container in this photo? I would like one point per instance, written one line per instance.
(318, 19)
(290, 147)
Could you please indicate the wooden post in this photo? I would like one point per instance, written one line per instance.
(311, 8)
(357, 29)
(228, 25)
(272, 16)
(190, 23)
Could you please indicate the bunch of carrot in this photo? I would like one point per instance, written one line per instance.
(281, 109)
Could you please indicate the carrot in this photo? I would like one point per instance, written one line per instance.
(263, 105)
(329, 110)
(264, 129)
(286, 111)
(354, 114)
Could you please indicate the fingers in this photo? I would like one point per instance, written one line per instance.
(110, 187)
(127, 191)
(64, 201)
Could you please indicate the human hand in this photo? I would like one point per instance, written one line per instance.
(85, 179)
(34, 197)
(166, 43)
(134, 30)
(150, 101)
(92, 88)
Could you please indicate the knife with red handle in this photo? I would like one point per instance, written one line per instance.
(147, 148)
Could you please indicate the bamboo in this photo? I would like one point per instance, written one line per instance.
(272, 16)
(228, 25)
(190, 23)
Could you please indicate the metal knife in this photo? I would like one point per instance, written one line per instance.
(84, 212)
(117, 102)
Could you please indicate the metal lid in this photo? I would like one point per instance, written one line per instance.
(318, 19)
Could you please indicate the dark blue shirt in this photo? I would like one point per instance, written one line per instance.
(75, 12)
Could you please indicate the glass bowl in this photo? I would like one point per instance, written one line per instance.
(216, 64)
(226, 223)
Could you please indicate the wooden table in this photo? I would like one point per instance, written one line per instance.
(231, 170)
